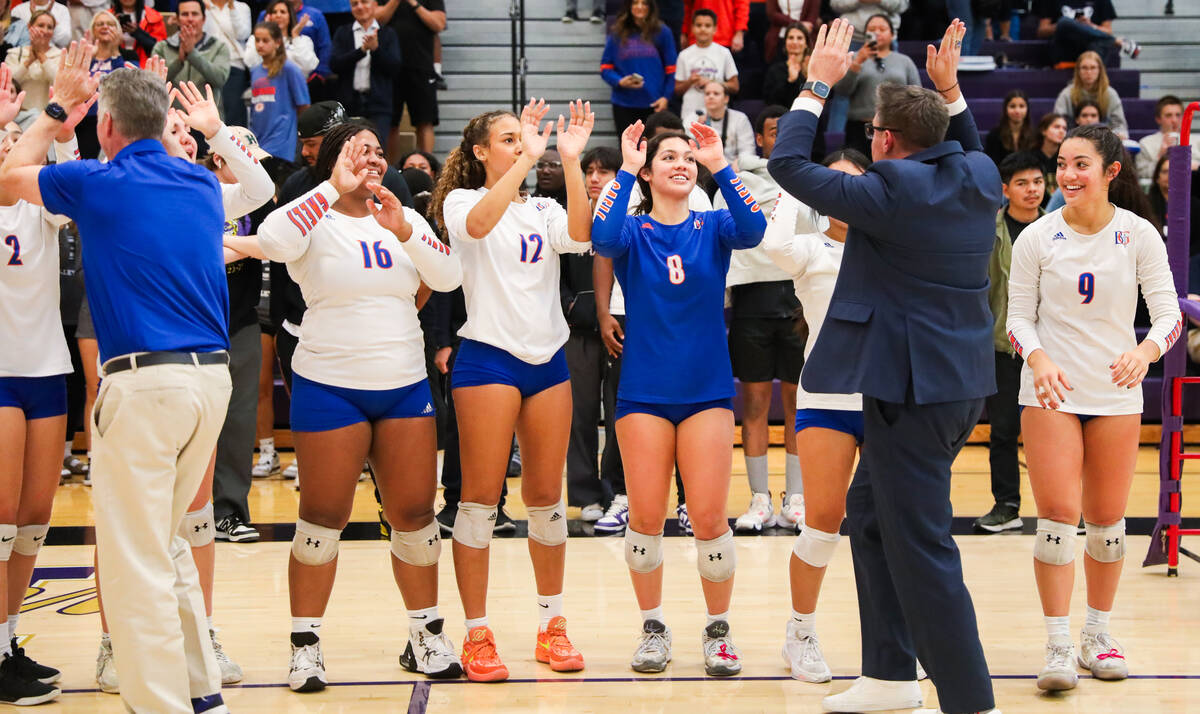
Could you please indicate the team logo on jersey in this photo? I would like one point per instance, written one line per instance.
(698, 223)
(745, 194)
(1122, 237)
(606, 202)
(647, 226)
(305, 214)
(1059, 236)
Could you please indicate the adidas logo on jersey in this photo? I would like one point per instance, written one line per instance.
(428, 408)
(1059, 236)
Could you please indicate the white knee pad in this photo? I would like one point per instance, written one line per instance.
(1106, 544)
(420, 547)
(30, 539)
(815, 547)
(474, 523)
(197, 526)
(8, 535)
(313, 544)
(548, 524)
(716, 559)
(1055, 542)
(643, 553)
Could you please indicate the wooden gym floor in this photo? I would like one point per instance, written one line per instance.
(1156, 619)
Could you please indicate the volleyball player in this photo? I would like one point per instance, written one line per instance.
(511, 368)
(33, 401)
(675, 401)
(829, 427)
(1073, 291)
(359, 389)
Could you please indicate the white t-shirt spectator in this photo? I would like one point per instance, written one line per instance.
(714, 63)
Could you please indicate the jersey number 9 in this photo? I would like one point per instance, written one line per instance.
(675, 269)
(1087, 287)
(383, 258)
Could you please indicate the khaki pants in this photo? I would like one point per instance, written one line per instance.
(154, 430)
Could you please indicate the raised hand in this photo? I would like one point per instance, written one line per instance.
(707, 148)
(176, 139)
(390, 214)
(349, 171)
(10, 104)
(573, 135)
(831, 56)
(534, 139)
(942, 63)
(157, 65)
(633, 148)
(74, 83)
(197, 111)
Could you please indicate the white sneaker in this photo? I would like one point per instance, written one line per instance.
(231, 673)
(791, 512)
(939, 711)
(106, 668)
(267, 465)
(872, 695)
(307, 673)
(758, 516)
(617, 517)
(431, 653)
(721, 657)
(802, 652)
(291, 471)
(1101, 655)
(922, 675)
(592, 512)
(1059, 673)
(653, 652)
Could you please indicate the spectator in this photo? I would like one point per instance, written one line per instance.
(1158, 204)
(297, 46)
(229, 22)
(35, 66)
(82, 12)
(785, 78)
(1015, 130)
(970, 13)
(998, 15)
(1052, 129)
(62, 18)
(550, 180)
(366, 56)
(310, 22)
(110, 56)
(1091, 82)
(702, 62)
(732, 19)
(417, 24)
(278, 94)
(1081, 26)
(192, 55)
(13, 32)
(1168, 114)
(1087, 112)
(424, 161)
(782, 16)
(873, 64)
(737, 135)
(572, 13)
(859, 13)
(141, 27)
(638, 63)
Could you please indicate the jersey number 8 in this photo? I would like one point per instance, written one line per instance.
(675, 269)
(1087, 287)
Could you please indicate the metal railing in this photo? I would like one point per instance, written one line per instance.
(520, 65)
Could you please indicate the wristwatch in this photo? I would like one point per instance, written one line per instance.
(818, 88)
(56, 112)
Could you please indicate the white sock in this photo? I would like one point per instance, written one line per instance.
(716, 618)
(12, 625)
(67, 450)
(550, 607)
(795, 484)
(418, 619)
(211, 627)
(266, 446)
(306, 624)
(105, 637)
(756, 472)
(805, 623)
(472, 623)
(1097, 621)
(437, 67)
(654, 613)
(1058, 627)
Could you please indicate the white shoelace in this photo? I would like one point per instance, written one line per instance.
(653, 643)
(307, 657)
(616, 508)
(1058, 656)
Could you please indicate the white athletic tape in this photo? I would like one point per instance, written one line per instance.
(8, 534)
(421, 547)
(314, 544)
(716, 559)
(815, 547)
(474, 523)
(197, 526)
(1106, 544)
(1055, 542)
(548, 524)
(30, 539)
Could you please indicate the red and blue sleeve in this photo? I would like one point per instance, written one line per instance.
(746, 223)
(610, 238)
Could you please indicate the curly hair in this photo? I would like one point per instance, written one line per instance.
(462, 169)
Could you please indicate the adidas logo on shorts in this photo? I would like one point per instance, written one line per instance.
(428, 408)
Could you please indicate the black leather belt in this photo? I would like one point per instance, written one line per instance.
(150, 359)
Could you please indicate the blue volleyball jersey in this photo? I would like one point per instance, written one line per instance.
(673, 276)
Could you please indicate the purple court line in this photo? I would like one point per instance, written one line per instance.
(417, 683)
(419, 699)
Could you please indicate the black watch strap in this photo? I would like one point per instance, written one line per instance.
(818, 88)
(55, 111)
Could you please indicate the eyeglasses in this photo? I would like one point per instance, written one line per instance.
(548, 165)
(870, 129)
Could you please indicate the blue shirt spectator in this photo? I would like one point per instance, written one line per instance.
(275, 104)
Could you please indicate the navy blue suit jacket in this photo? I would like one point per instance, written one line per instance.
(385, 64)
(910, 307)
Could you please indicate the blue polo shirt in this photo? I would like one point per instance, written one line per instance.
(151, 228)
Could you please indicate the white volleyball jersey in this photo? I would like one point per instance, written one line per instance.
(31, 331)
(813, 261)
(1075, 296)
(360, 284)
(510, 276)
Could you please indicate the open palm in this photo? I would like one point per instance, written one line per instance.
(534, 139)
(707, 147)
(573, 134)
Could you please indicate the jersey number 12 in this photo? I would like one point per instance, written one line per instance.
(675, 269)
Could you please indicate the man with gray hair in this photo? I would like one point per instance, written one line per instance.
(153, 264)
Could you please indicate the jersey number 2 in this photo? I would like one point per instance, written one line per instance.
(1087, 287)
(675, 269)
(16, 249)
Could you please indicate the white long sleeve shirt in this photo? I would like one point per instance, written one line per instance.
(1075, 296)
(813, 261)
(254, 186)
(360, 284)
(510, 276)
(231, 25)
(299, 50)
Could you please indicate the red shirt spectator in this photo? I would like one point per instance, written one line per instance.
(146, 30)
(733, 16)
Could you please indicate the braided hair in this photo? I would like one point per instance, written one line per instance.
(331, 147)
(462, 168)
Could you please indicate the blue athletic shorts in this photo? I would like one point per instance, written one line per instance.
(38, 397)
(674, 413)
(1083, 418)
(320, 407)
(479, 364)
(842, 420)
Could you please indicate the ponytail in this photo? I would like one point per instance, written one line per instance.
(274, 63)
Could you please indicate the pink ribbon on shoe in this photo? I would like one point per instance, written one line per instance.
(1113, 654)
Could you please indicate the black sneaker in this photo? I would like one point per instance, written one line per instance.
(445, 519)
(1002, 517)
(440, 81)
(570, 16)
(21, 691)
(598, 17)
(504, 524)
(27, 668)
(514, 462)
(234, 530)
